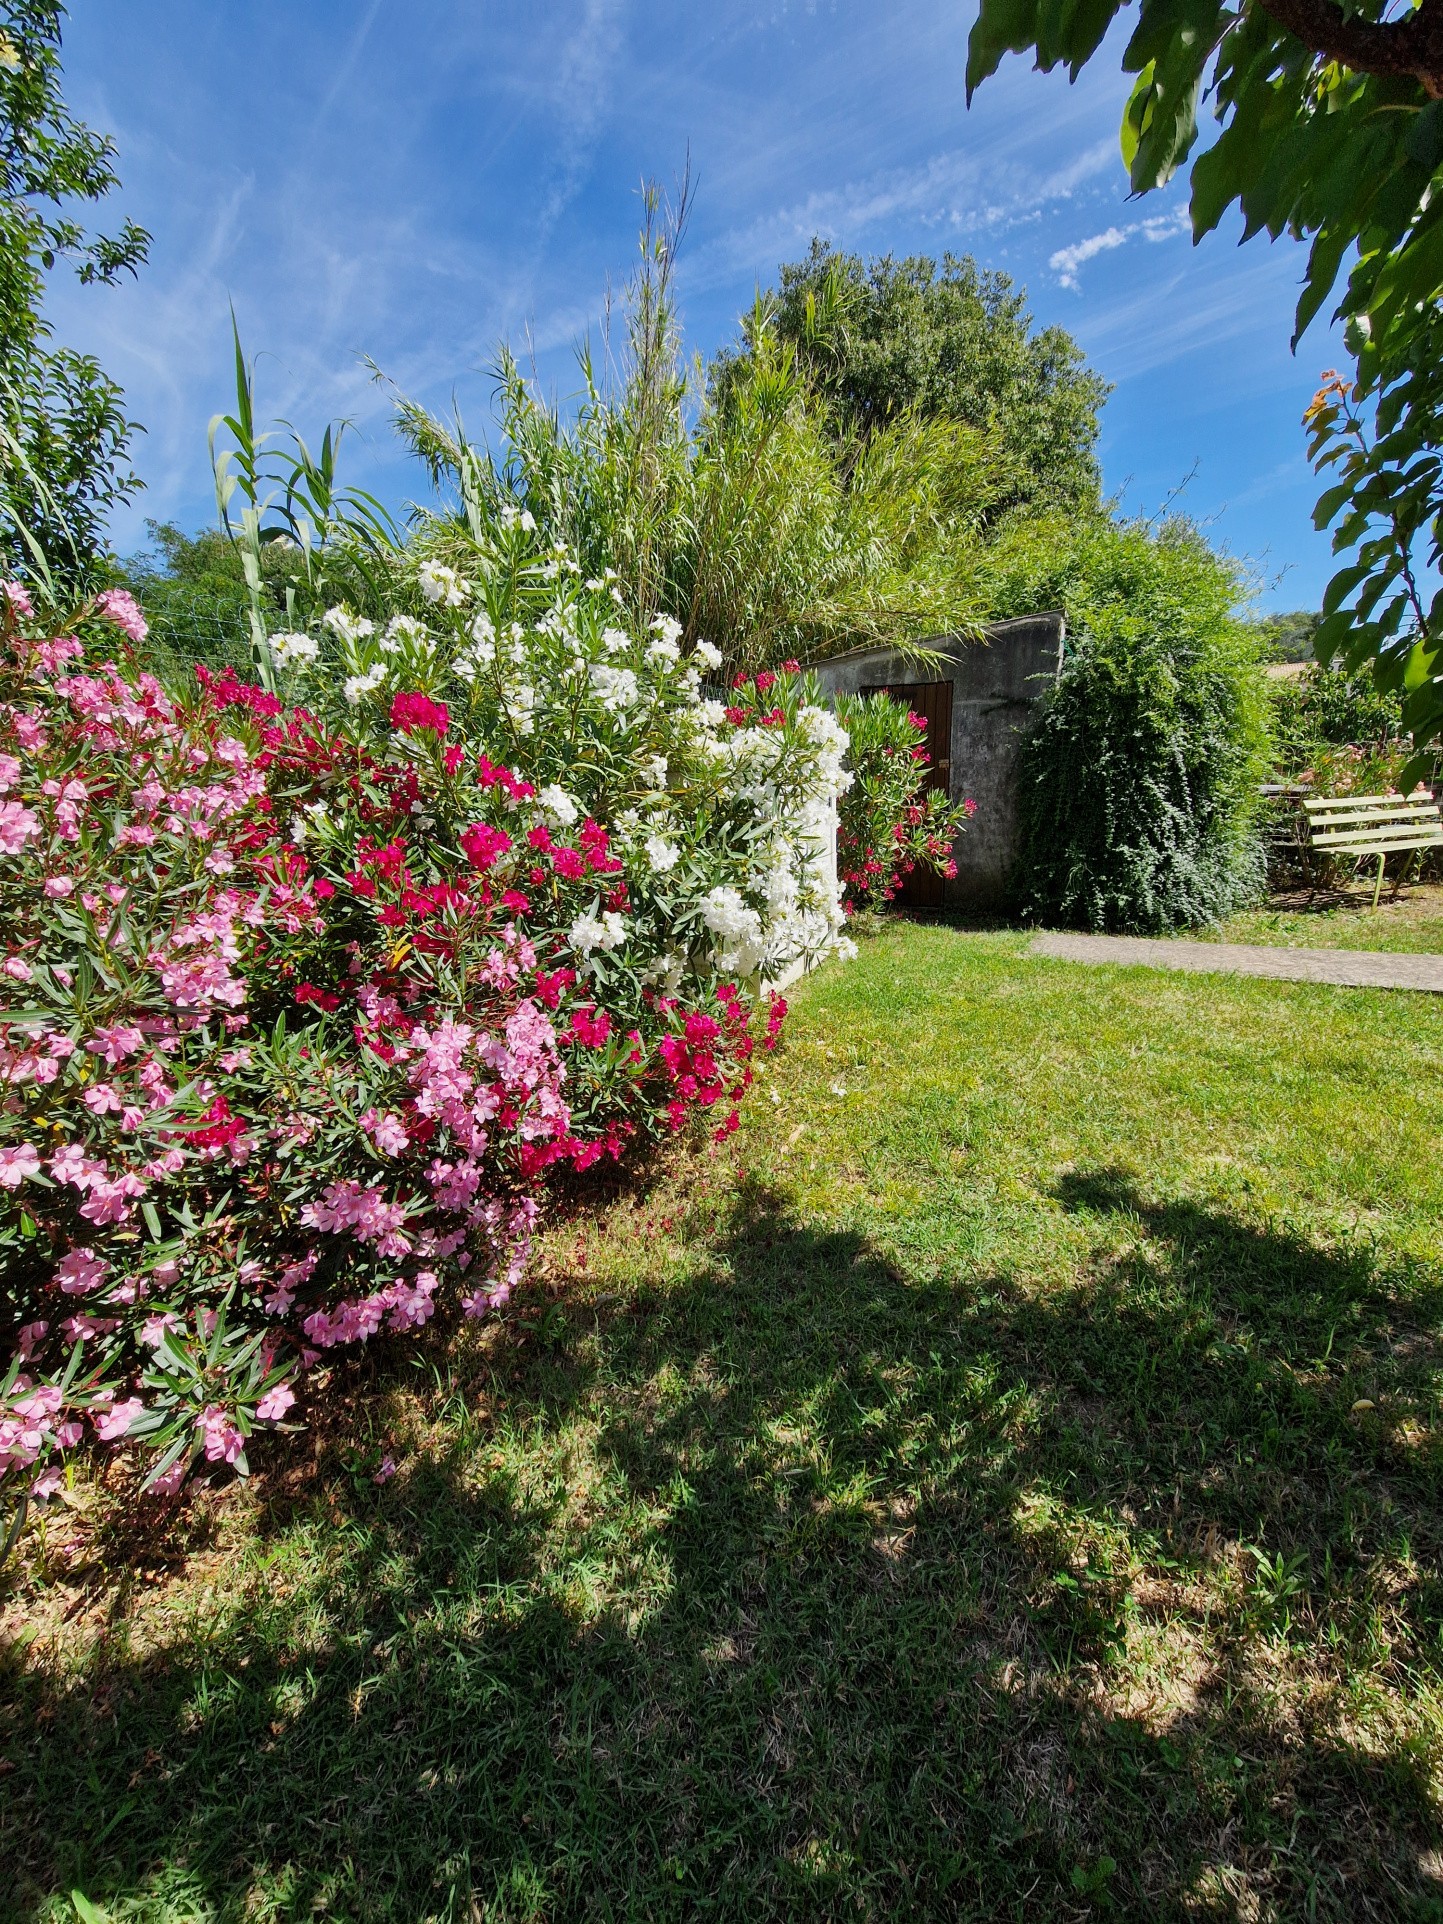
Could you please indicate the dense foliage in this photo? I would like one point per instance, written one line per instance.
(303, 1002)
(738, 512)
(1139, 785)
(1337, 734)
(1330, 124)
(884, 338)
(891, 820)
(64, 435)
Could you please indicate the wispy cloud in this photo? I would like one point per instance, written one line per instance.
(419, 179)
(1157, 227)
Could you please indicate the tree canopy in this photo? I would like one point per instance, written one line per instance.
(1329, 128)
(64, 435)
(877, 339)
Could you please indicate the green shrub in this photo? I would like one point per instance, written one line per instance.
(1323, 708)
(1139, 785)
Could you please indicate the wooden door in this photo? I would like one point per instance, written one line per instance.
(932, 700)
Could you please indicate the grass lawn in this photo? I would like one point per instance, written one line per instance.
(1004, 1483)
(1410, 922)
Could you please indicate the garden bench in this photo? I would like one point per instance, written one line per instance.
(1365, 825)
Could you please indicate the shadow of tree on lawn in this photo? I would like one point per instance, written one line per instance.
(859, 1594)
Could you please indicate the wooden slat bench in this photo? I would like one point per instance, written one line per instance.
(1366, 825)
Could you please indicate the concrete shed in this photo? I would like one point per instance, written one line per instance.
(978, 704)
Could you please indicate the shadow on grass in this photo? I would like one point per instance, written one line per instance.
(855, 1593)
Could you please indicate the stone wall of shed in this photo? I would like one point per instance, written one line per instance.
(997, 682)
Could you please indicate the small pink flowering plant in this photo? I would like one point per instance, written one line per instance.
(302, 1006)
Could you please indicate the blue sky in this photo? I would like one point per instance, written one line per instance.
(417, 179)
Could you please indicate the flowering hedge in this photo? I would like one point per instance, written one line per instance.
(310, 986)
(890, 822)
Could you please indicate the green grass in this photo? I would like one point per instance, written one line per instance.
(1003, 1484)
(1410, 922)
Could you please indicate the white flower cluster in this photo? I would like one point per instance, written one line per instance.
(726, 835)
(441, 586)
(590, 932)
(293, 651)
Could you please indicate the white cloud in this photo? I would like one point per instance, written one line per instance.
(1157, 227)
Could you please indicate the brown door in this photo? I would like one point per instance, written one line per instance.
(932, 700)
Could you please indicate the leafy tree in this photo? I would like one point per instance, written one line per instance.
(1330, 128)
(1288, 637)
(879, 339)
(193, 590)
(64, 436)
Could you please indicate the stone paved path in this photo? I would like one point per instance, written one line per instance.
(1351, 968)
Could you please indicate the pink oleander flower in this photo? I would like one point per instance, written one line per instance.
(18, 969)
(386, 1131)
(385, 1470)
(111, 1199)
(169, 1481)
(112, 1424)
(57, 887)
(20, 604)
(274, 1404)
(79, 1271)
(221, 1434)
(9, 773)
(124, 610)
(18, 1164)
(17, 825)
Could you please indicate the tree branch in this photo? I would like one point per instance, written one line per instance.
(1398, 49)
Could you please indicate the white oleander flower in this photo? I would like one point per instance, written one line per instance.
(346, 627)
(615, 641)
(556, 803)
(356, 687)
(589, 932)
(293, 651)
(708, 654)
(441, 586)
(521, 707)
(662, 854)
(615, 688)
(654, 771)
(403, 631)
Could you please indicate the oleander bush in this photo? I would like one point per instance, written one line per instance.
(890, 822)
(312, 982)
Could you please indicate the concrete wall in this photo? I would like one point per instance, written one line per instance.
(997, 682)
